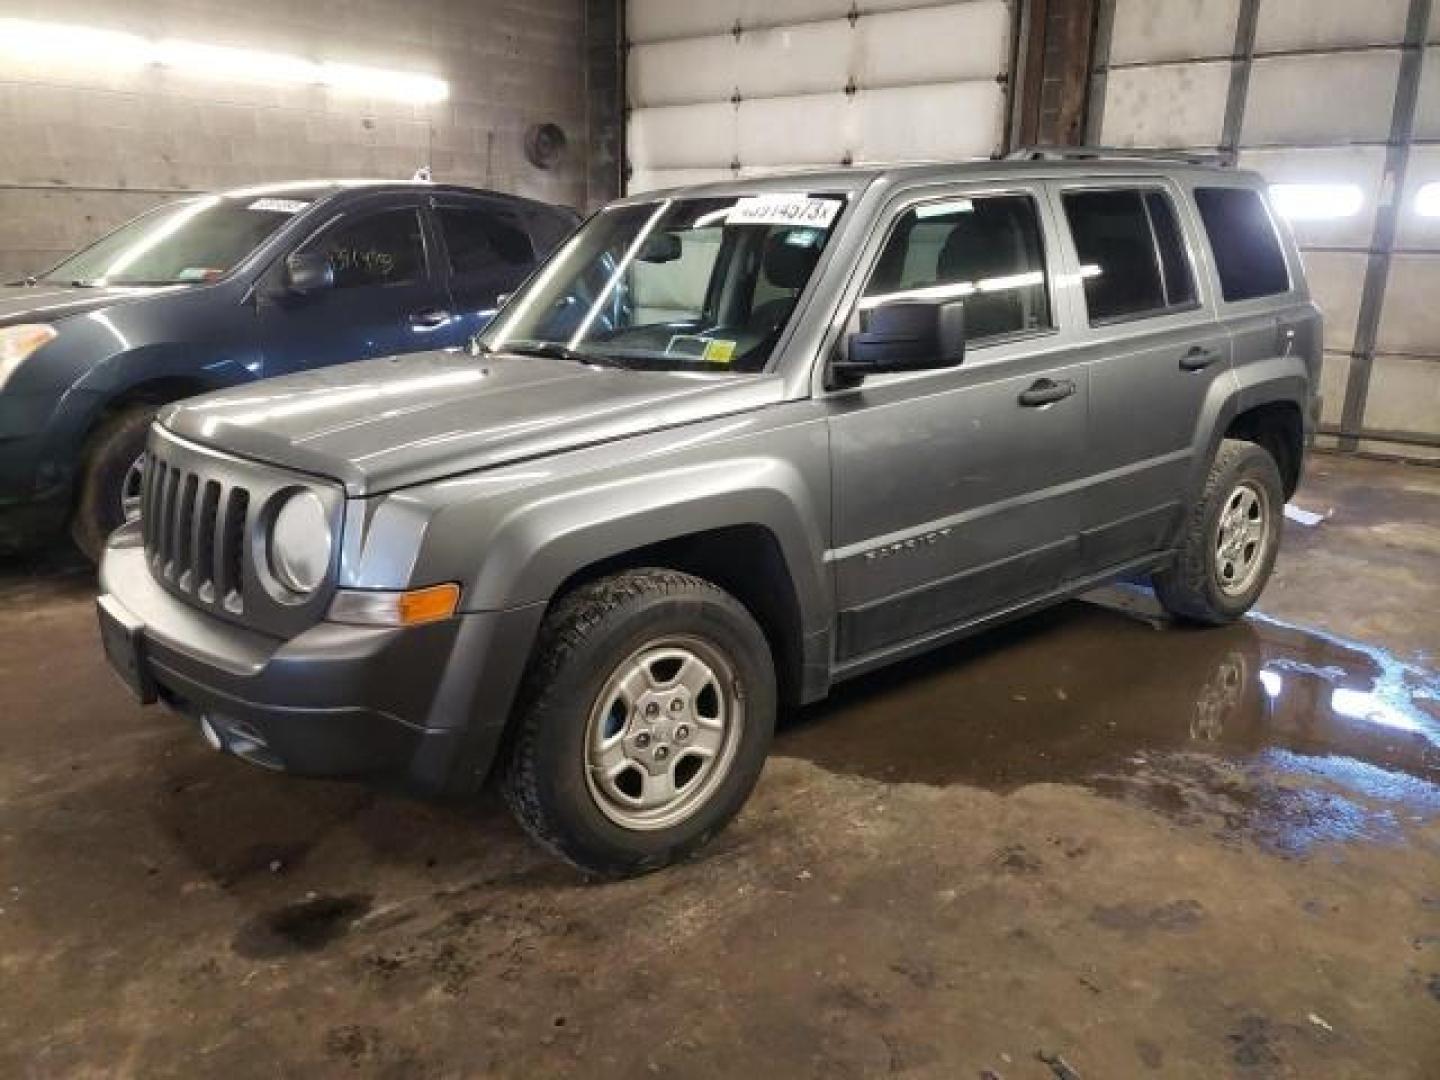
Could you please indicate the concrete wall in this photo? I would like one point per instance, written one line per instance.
(87, 146)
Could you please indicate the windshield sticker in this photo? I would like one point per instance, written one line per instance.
(278, 206)
(687, 345)
(784, 209)
(720, 351)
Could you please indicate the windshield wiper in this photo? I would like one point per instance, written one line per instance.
(551, 349)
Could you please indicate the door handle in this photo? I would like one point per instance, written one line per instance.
(1198, 358)
(430, 318)
(1044, 392)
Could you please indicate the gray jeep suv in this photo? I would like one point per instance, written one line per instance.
(730, 445)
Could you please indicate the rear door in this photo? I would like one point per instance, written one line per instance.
(387, 296)
(1155, 350)
(487, 253)
(957, 492)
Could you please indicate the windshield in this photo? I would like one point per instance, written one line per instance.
(675, 285)
(192, 240)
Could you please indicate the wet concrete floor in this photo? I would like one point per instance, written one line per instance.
(1089, 841)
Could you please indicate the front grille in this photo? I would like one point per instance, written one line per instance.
(203, 513)
(194, 530)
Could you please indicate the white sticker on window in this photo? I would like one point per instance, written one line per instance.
(784, 209)
(279, 206)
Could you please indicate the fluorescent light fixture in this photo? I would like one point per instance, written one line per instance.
(89, 46)
(238, 65)
(1317, 202)
(1427, 200)
(74, 45)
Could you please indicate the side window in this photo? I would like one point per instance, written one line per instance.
(477, 239)
(551, 228)
(384, 248)
(986, 251)
(1242, 236)
(1117, 254)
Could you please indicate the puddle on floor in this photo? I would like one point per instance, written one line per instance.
(1261, 730)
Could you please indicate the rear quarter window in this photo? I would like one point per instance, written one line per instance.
(1242, 238)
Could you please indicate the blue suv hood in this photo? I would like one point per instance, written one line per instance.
(48, 303)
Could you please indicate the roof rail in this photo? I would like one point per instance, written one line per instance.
(1100, 153)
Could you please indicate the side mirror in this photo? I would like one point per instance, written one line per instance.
(660, 247)
(905, 335)
(308, 272)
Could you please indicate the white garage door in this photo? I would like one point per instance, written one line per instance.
(737, 87)
(1338, 100)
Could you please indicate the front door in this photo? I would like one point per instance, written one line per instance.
(957, 492)
(386, 298)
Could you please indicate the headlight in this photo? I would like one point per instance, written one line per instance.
(18, 342)
(300, 543)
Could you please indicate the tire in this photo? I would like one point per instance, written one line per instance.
(575, 701)
(1205, 585)
(110, 454)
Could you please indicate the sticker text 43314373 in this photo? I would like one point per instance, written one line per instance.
(784, 209)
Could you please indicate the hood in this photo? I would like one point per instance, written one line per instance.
(385, 424)
(49, 303)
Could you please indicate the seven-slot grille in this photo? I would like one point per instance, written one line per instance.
(194, 530)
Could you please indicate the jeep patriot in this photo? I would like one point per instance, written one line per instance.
(731, 444)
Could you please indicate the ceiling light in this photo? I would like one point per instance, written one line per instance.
(1317, 202)
(1427, 200)
(88, 47)
(74, 45)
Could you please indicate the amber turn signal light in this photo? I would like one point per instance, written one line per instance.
(410, 608)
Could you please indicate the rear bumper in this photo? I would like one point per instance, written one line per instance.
(426, 705)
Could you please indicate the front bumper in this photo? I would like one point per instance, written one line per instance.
(425, 704)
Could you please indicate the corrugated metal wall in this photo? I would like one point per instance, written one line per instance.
(1341, 93)
(734, 87)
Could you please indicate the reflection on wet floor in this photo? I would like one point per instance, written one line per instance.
(1261, 729)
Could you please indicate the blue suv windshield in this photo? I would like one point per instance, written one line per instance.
(185, 242)
(704, 284)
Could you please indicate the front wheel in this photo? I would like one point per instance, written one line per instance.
(110, 478)
(1230, 541)
(645, 721)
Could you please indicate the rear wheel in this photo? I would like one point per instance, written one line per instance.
(1230, 540)
(110, 478)
(645, 722)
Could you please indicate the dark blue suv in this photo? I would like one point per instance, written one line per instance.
(217, 290)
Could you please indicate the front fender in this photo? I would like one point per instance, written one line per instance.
(543, 544)
(512, 536)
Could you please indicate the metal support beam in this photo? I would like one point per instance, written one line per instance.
(1099, 68)
(604, 62)
(1244, 60)
(1052, 80)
